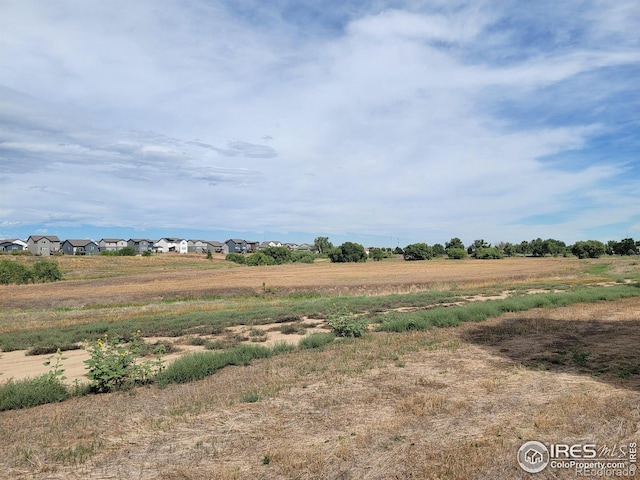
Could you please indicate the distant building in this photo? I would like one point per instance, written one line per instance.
(140, 245)
(111, 244)
(12, 245)
(43, 244)
(80, 247)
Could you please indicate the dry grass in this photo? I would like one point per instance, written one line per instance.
(451, 403)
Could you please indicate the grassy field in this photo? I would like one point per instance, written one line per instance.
(426, 402)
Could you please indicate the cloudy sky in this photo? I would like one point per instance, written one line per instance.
(385, 121)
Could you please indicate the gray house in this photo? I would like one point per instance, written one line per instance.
(217, 247)
(80, 247)
(140, 245)
(197, 246)
(112, 244)
(43, 244)
(236, 245)
(12, 245)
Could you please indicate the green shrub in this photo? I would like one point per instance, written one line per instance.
(488, 253)
(348, 252)
(347, 325)
(302, 257)
(16, 394)
(46, 271)
(418, 251)
(236, 258)
(114, 364)
(14, 272)
(199, 365)
(316, 340)
(260, 258)
(456, 253)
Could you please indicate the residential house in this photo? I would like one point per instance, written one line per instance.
(80, 247)
(140, 245)
(112, 244)
(43, 244)
(253, 247)
(236, 245)
(12, 245)
(197, 246)
(217, 247)
(271, 243)
(166, 245)
(305, 247)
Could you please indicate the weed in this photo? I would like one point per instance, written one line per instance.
(316, 340)
(113, 364)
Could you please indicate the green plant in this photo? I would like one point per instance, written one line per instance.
(46, 388)
(236, 258)
(344, 323)
(316, 340)
(114, 364)
(46, 271)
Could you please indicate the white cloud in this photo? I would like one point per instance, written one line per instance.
(400, 120)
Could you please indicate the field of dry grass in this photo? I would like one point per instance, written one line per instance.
(446, 403)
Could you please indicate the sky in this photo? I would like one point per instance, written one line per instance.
(383, 122)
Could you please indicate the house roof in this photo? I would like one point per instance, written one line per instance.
(138, 240)
(235, 240)
(51, 238)
(112, 240)
(215, 244)
(79, 243)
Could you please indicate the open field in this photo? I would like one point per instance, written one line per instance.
(442, 403)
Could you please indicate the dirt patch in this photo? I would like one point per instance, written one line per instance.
(17, 365)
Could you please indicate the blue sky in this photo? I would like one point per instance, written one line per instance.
(382, 122)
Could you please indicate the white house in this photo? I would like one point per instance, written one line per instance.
(166, 245)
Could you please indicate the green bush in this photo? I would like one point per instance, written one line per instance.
(348, 252)
(302, 257)
(260, 258)
(46, 271)
(418, 251)
(488, 253)
(345, 324)
(236, 258)
(316, 340)
(456, 253)
(14, 272)
(198, 365)
(114, 364)
(16, 394)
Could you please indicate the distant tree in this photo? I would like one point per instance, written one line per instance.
(626, 246)
(510, 249)
(377, 254)
(438, 250)
(322, 245)
(46, 271)
(488, 253)
(418, 251)
(524, 248)
(455, 242)
(555, 247)
(348, 252)
(14, 272)
(302, 257)
(279, 255)
(537, 248)
(236, 258)
(127, 252)
(260, 258)
(456, 253)
(398, 251)
(476, 245)
(209, 255)
(588, 249)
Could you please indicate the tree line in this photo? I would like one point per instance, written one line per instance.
(453, 249)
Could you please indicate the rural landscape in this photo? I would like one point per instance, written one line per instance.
(361, 370)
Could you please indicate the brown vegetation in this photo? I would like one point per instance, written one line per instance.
(447, 403)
